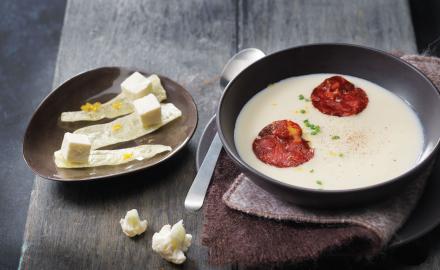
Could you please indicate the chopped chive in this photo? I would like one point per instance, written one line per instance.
(315, 129)
(336, 137)
(307, 100)
(311, 171)
(341, 154)
(301, 97)
(303, 111)
(319, 182)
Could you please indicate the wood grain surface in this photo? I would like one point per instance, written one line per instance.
(76, 225)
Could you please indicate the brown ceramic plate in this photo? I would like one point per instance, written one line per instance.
(45, 131)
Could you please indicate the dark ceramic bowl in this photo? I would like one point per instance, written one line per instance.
(376, 66)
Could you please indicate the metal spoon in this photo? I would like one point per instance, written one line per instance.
(235, 65)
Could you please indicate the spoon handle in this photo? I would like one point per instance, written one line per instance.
(196, 194)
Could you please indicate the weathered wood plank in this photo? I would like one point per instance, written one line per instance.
(76, 226)
(276, 25)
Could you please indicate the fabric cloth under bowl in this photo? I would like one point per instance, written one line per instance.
(244, 224)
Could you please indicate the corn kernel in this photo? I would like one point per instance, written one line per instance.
(127, 156)
(116, 105)
(96, 106)
(116, 127)
(88, 107)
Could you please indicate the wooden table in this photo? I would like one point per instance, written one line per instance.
(76, 225)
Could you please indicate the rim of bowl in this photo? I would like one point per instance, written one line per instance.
(94, 178)
(242, 163)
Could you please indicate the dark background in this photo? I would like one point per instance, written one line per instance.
(29, 36)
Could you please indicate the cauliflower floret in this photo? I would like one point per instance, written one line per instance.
(171, 242)
(132, 225)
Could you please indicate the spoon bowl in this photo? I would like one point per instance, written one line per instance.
(238, 63)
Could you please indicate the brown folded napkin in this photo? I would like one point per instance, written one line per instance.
(266, 230)
(383, 219)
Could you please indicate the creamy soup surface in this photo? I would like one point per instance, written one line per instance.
(383, 141)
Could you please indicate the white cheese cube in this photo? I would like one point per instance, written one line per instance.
(132, 225)
(75, 147)
(136, 86)
(148, 109)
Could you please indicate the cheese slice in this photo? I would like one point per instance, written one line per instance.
(113, 157)
(118, 106)
(126, 128)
